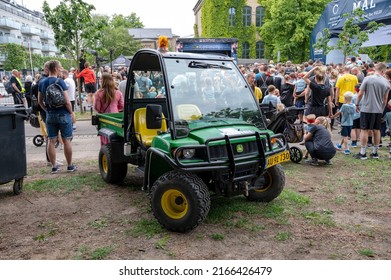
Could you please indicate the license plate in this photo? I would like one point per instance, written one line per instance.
(278, 158)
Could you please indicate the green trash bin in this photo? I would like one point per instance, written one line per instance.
(13, 165)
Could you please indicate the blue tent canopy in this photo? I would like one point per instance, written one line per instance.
(332, 18)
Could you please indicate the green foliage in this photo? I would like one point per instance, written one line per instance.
(131, 21)
(352, 36)
(287, 25)
(377, 53)
(72, 25)
(215, 23)
(16, 56)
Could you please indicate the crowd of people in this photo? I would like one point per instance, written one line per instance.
(356, 95)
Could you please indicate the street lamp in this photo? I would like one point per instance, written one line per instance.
(111, 60)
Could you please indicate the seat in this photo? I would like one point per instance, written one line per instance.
(188, 112)
(144, 134)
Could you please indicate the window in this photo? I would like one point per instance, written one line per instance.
(246, 16)
(246, 50)
(260, 13)
(260, 49)
(231, 16)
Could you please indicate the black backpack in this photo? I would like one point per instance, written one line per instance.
(9, 88)
(55, 95)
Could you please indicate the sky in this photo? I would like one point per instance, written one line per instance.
(175, 14)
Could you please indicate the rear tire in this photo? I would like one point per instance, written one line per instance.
(111, 172)
(18, 186)
(268, 185)
(180, 201)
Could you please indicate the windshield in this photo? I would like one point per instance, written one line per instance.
(206, 92)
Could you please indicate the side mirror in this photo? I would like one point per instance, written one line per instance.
(154, 116)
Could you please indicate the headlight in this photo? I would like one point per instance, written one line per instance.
(188, 153)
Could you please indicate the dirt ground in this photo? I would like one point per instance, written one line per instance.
(344, 219)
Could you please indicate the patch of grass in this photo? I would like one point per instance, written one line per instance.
(283, 236)
(324, 219)
(162, 243)
(49, 229)
(67, 184)
(101, 253)
(86, 253)
(217, 236)
(367, 252)
(98, 224)
(149, 228)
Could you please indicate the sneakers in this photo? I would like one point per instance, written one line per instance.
(55, 169)
(338, 146)
(328, 162)
(71, 168)
(313, 162)
(360, 156)
(353, 144)
(374, 155)
(347, 152)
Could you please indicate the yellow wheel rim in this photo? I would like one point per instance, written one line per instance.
(174, 204)
(268, 183)
(104, 164)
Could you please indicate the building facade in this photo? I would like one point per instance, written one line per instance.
(148, 37)
(248, 17)
(19, 25)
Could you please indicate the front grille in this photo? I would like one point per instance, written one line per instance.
(239, 149)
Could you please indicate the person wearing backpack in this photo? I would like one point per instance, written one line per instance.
(53, 98)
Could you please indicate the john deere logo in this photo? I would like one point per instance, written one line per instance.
(239, 148)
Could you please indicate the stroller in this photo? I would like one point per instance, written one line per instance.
(38, 140)
(284, 122)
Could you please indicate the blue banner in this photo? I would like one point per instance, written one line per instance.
(332, 18)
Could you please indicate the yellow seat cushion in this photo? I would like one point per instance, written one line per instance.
(140, 127)
(188, 112)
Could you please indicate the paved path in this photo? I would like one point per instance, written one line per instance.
(85, 144)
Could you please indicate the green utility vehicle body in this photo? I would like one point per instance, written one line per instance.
(202, 135)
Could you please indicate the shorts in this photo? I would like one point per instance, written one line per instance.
(90, 88)
(356, 124)
(370, 121)
(346, 130)
(299, 103)
(59, 122)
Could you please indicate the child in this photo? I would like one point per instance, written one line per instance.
(347, 112)
(318, 141)
(310, 120)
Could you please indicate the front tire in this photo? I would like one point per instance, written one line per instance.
(268, 185)
(111, 172)
(180, 201)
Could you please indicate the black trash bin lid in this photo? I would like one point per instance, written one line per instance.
(12, 109)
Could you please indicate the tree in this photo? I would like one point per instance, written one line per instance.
(72, 26)
(115, 35)
(16, 56)
(287, 25)
(352, 35)
(131, 21)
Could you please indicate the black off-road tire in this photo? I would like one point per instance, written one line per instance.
(18, 186)
(180, 201)
(268, 186)
(38, 140)
(296, 154)
(111, 172)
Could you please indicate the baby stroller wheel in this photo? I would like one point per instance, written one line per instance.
(38, 140)
(296, 154)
